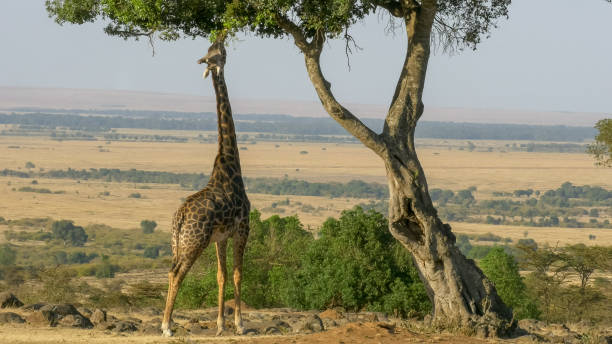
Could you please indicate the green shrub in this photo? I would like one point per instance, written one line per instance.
(7, 255)
(151, 252)
(70, 234)
(135, 195)
(502, 270)
(357, 264)
(105, 269)
(148, 226)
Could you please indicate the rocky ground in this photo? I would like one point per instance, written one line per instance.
(65, 323)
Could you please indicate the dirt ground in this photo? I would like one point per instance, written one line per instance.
(366, 333)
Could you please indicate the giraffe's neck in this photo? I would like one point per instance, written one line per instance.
(227, 157)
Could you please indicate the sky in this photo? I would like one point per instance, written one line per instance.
(550, 55)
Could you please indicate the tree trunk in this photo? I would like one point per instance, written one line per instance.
(460, 293)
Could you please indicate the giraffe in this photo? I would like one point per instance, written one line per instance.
(216, 213)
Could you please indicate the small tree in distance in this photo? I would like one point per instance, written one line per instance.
(70, 234)
(602, 148)
(148, 226)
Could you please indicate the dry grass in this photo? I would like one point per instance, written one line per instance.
(338, 162)
(84, 203)
(548, 235)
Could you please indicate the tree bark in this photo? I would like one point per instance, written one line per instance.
(460, 293)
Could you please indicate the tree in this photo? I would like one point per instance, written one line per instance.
(584, 260)
(457, 287)
(602, 148)
(148, 226)
(70, 234)
(503, 271)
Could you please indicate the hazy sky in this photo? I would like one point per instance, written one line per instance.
(550, 55)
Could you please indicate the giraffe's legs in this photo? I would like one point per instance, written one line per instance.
(175, 277)
(240, 239)
(221, 277)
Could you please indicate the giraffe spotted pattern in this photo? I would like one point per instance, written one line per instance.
(216, 213)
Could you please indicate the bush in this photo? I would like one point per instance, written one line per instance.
(148, 226)
(105, 269)
(66, 231)
(7, 255)
(503, 271)
(135, 195)
(357, 264)
(151, 252)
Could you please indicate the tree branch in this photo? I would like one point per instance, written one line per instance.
(312, 52)
(393, 7)
(343, 116)
(406, 105)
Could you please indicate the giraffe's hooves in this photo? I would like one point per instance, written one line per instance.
(166, 333)
(220, 331)
(240, 330)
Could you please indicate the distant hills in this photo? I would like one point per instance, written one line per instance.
(58, 98)
(275, 126)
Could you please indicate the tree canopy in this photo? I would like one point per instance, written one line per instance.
(457, 22)
(70, 234)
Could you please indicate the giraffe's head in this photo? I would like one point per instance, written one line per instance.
(215, 58)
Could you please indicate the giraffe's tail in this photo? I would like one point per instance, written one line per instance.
(177, 224)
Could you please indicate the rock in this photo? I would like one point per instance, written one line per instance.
(61, 309)
(85, 311)
(180, 331)
(35, 306)
(196, 328)
(251, 332)
(530, 325)
(271, 330)
(125, 326)
(282, 326)
(331, 314)
(61, 314)
(134, 320)
(98, 316)
(7, 300)
(151, 328)
(367, 317)
(311, 323)
(41, 318)
(10, 318)
(329, 323)
(151, 311)
(105, 325)
(74, 320)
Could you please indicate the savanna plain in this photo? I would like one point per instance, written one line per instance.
(116, 262)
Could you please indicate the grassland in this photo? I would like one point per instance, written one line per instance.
(446, 166)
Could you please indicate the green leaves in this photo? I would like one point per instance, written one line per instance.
(602, 148)
(502, 270)
(356, 264)
(168, 19)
